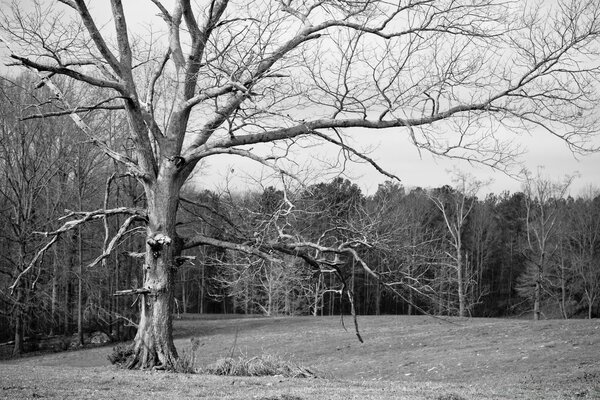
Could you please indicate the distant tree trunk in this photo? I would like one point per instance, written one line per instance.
(247, 296)
(19, 326)
(80, 289)
(537, 292)
(80, 193)
(269, 299)
(563, 289)
(68, 288)
(510, 277)
(411, 299)
(118, 331)
(201, 292)
(462, 312)
(377, 299)
(184, 299)
(54, 295)
(317, 296)
(287, 308)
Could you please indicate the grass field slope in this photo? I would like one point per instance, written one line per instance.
(401, 358)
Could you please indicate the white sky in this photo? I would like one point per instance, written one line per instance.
(393, 151)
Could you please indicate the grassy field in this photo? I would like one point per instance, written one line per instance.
(402, 358)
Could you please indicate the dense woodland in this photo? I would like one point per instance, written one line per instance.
(441, 251)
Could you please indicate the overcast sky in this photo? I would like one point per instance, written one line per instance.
(393, 152)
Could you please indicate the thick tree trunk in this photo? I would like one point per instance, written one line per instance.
(153, 345)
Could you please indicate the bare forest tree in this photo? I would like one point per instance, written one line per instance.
(225, 77)
(542, 201)
(583, 241)
(456, 204)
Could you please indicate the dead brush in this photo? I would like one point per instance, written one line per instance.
(186, 363)
(121, 354)
(263, 365)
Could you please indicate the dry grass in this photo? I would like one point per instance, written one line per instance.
(402, 357)
(262, 365)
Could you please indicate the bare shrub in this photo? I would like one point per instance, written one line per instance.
(263, 365)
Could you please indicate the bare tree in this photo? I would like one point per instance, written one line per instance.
(456, 204)
(229, 76)
(484, 233)
(584, 241)
(542, 197)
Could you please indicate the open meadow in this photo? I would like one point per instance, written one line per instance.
(401, 358)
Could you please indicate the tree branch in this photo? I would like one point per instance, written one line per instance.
(94, 33)
(120, 233)
(199, 240)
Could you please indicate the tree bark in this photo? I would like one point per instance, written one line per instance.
(153, 344)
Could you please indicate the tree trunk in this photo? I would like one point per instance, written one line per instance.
(411, 300)
(69, 287)
(19, 327)
(536, 302)
(201, 302)
(153, 344)
(54, 295)
(538, 286)
(184, 297)
(315, 301)
(536, 296)
(80, 288)
(460, 278)
(246, 297)
(563, 290)
(377, 298)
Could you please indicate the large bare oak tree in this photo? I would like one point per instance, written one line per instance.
(227, 76)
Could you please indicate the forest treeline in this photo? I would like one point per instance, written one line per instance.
(441, 251)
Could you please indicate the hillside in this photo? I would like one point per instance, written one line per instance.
(402, 357)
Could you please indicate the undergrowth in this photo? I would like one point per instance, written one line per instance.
(263, 365)
(121, 354)
(186, 363)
